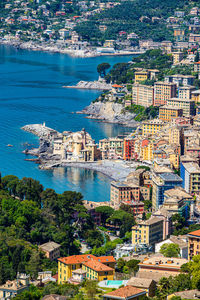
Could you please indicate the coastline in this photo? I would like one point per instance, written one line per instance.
(71, 52)
(116, 170)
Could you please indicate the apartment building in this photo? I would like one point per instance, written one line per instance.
(129, 146)
(185, 92)
(120, 192)
(180, 79)
(190, 173)
(142, 95)
(187, 105)
(195, 96)
(142, 76)
(197, 66)
(163, 91)
(177, 57)
(161, 183)
(167, 113)
(152, 126)
(148, 232)
(193, 243)
(111, 148)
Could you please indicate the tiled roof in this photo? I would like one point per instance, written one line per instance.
(97, 266)
(105, 259)
(196, 232)
(76, 259)
(140, 282)
(125, 292)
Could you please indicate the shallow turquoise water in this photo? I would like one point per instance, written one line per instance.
(31, 92)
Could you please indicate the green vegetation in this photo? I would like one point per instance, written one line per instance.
(127, 267)
(31, 216)
(143, 113)
(101, 69)
(170, 250)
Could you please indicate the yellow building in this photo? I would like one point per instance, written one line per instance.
(175, 135)
(168, 113)
(152, 126)
(98, 271)
(148, 232)
(141, 76)
(196, 96)
(66, 265)
(146, 150)
(109, 43)
(142, 95)
(174, 160)
(177, 57)
(187, 105)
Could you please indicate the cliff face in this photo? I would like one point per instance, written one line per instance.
(110, 112)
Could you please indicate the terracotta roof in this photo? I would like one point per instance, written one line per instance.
(145, 143)
(196, 232)
(125, 292)
(140, 282)
(76, 259)
(117, 86)
(105, 259)
(97, 266)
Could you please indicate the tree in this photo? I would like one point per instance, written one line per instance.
(170, 250)
(163, 288)
(101, 69)
(105, 211)
(196, 59)
(91, 289)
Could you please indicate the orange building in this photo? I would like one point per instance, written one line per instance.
(193, 243)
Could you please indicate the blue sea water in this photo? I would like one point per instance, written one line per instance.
(31, 92)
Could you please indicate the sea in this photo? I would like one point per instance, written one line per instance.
(31, 92)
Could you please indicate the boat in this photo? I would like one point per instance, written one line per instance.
(9, 145)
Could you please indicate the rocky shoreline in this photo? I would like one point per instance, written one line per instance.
(91, 85)
(109, 112)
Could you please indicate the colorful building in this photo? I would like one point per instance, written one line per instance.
(196, 96)
(95, 270)
(186, 92)
(168, 113)
(193, 243)
(142, 95)
(163, 91)
(187, 105)
(177, 57)
(97, 267)
(152, 126)
(141, 76)
(120, 192)
(129, 149)
(148, 232)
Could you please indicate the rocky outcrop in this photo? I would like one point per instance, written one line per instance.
(91, 85)
(38, 129)
(109, 112)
